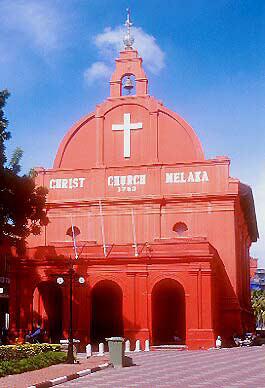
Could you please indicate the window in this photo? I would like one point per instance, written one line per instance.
(180, 228)
(73, 231)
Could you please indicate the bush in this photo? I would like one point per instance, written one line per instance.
(17, 352)
(39, 361)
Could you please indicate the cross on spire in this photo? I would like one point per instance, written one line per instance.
(128, 39)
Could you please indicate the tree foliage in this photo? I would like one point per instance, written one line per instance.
(4, 134)
(21, 202)
(258, 305)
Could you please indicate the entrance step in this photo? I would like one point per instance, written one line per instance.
(169, 347)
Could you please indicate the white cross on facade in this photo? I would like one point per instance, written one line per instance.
(126, 127)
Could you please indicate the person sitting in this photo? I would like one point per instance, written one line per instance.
(36, 336)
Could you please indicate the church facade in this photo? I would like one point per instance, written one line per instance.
(161, 234)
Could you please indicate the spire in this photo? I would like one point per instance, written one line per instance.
(128, 64)
(128, 39)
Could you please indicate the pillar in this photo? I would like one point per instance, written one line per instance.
(129, 308)
(14, 305)
(199, 314)
(141, 313)
(82, 314)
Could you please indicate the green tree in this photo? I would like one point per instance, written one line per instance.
(21, 202)
(4, 134)
(258, 305)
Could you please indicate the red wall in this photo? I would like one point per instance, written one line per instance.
(164, 180)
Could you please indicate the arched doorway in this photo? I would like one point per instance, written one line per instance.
(47, 309)
(168, 313)
(107, 317)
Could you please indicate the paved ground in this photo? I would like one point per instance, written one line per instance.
(26, 379)
(226, 368)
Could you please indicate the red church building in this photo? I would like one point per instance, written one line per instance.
(162, 235)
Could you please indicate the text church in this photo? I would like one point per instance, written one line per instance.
(159, 235)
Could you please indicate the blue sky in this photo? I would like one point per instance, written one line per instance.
(204, 59)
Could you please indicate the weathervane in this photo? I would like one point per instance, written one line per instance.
(128, 40)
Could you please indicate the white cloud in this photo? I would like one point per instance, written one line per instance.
(110, 42)
(37, 22)
(97, 70)
(258, 249)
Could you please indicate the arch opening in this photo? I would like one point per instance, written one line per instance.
(48, 310)
(107, 316)
(168, 313)
(128, 85)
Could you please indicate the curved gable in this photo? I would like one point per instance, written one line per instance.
(178, 142)
(78, 147)
(99, 138)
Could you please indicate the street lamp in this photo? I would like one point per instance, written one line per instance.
(60, 280)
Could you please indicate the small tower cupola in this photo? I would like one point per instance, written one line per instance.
(128, 64)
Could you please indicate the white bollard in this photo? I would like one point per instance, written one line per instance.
(147, 346)
(88, 351)
(127, 346)
(218, 342)
(137, 346)
(101, 349)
